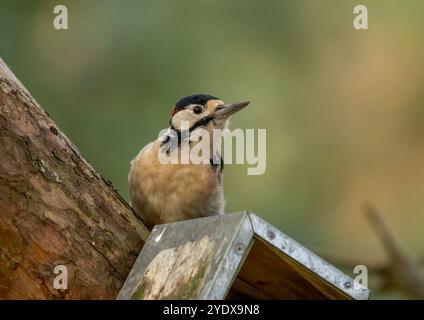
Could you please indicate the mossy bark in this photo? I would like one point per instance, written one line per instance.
(55, 209)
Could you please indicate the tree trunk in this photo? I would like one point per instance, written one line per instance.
(55, 209)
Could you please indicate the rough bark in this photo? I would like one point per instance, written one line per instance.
(55, 209)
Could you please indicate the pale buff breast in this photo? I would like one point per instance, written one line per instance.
(162, 193)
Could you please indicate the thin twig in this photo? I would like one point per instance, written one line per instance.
(403, 272)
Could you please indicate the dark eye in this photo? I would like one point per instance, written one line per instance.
(197, 109)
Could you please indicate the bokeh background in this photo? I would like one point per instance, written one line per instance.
(343, 108)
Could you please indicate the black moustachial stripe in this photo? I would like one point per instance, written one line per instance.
(199, 123)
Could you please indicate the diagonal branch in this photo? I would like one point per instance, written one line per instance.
(55, 209)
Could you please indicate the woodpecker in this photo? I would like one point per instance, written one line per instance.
(162, 193)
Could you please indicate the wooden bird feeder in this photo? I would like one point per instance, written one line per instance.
(232, 256)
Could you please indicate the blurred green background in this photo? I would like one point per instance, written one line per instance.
(343, 108)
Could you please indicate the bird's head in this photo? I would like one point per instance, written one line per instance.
(203, 111)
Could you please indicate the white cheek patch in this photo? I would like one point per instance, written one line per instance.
(182, 118)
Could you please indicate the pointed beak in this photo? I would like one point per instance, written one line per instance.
(226, 110)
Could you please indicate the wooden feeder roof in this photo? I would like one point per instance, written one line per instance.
(232, 256)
